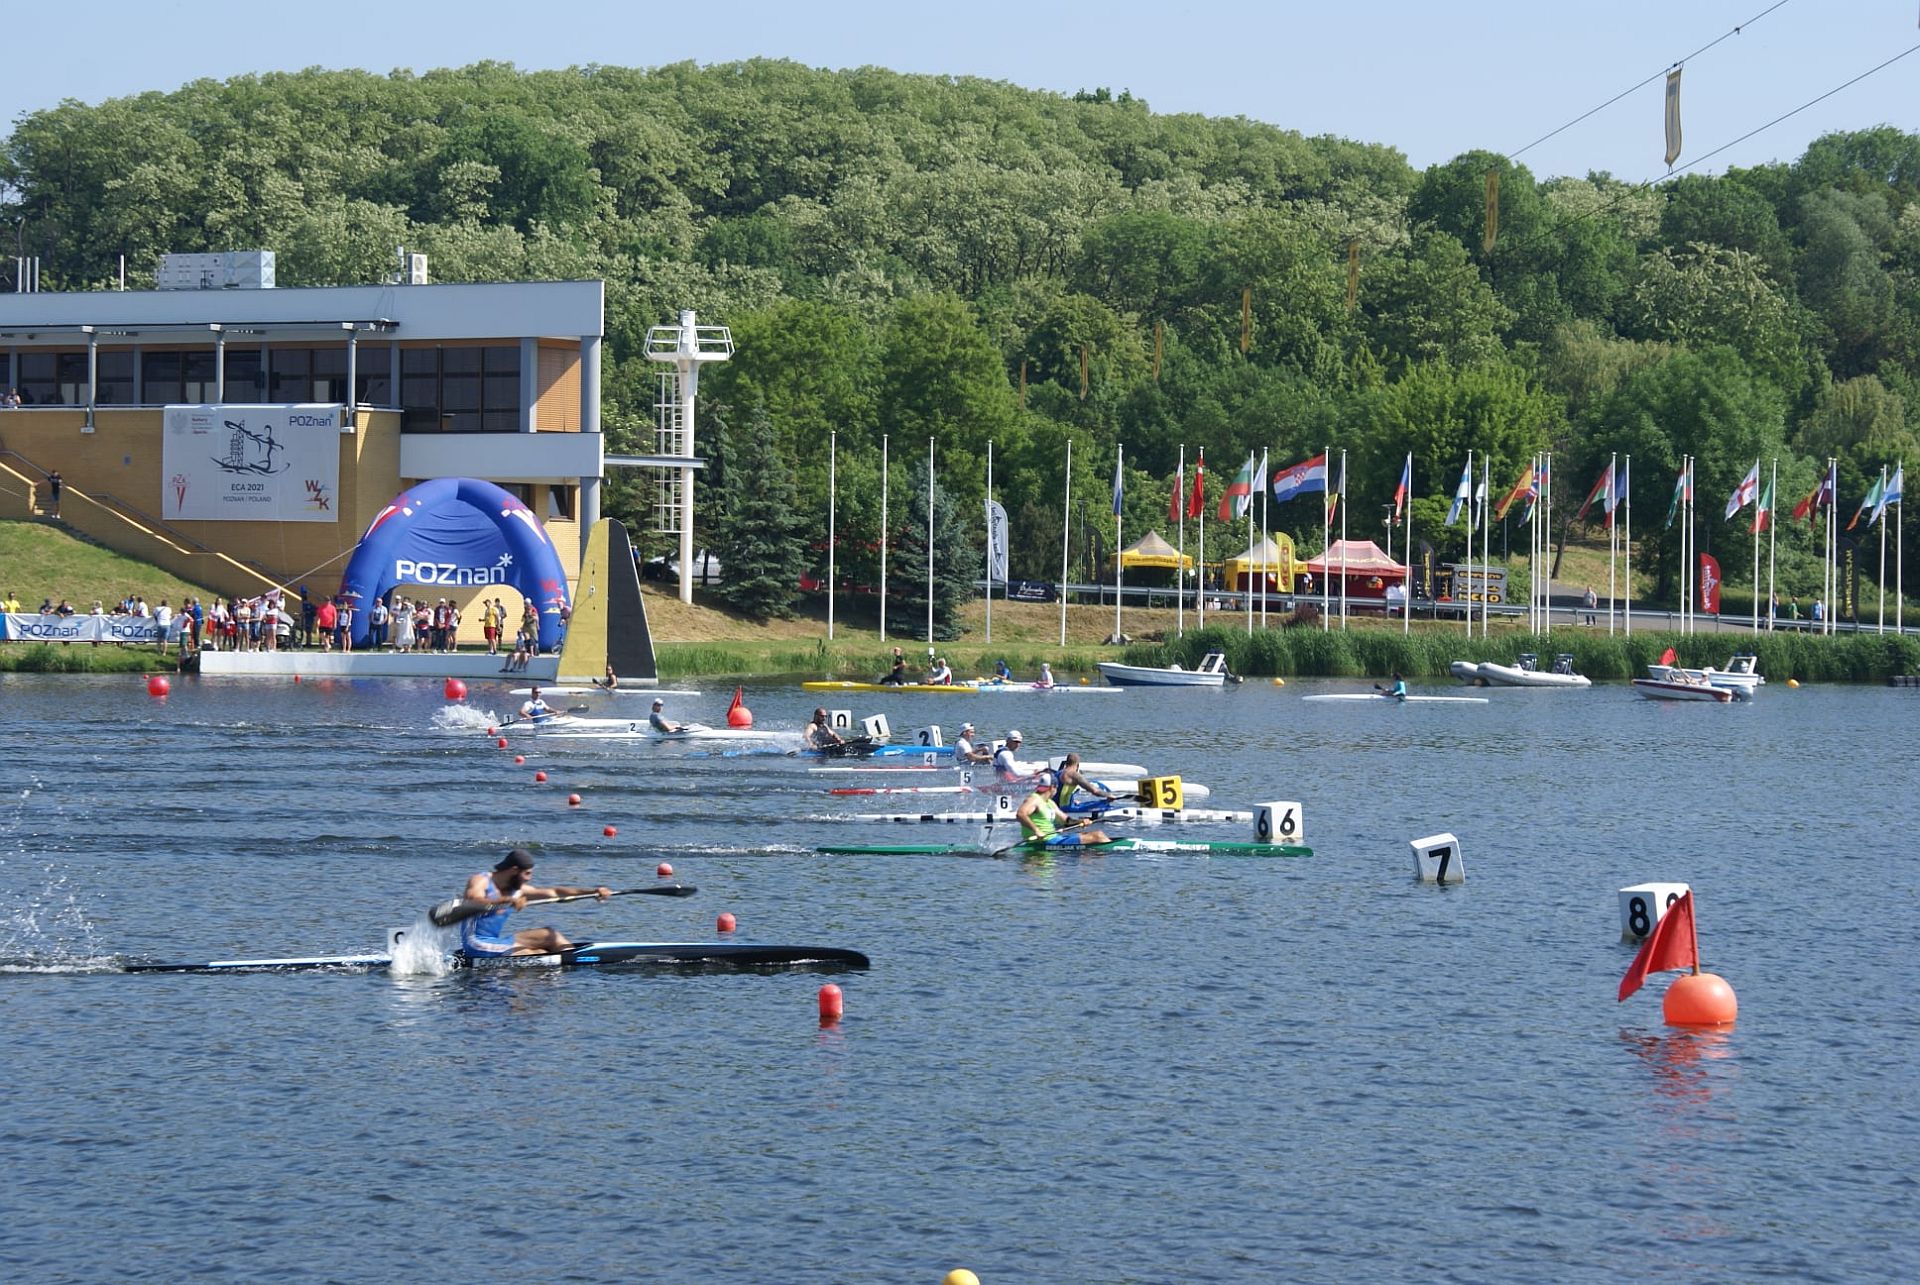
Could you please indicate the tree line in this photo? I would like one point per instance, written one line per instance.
(956, 260)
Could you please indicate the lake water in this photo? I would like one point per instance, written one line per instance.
(1120, 1068)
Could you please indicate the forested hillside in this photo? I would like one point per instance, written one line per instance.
(968, 261)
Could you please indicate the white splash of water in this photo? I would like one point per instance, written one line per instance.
(421, 950)
(464, 718)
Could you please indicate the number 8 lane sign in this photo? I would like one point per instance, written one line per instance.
(1643, 905)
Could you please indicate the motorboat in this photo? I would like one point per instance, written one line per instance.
(1526, 672)
(1212, 672)
(1468, 672)
(1681, 688)
(1741, 676)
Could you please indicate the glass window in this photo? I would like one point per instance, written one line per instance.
(160, 379)
(330, 374)
(373, 375)
(560, 502)
(37, 386)
(461, 390)
(243, 375)
(71, 377)
(113, 379)
(196, 377)
(292, 375)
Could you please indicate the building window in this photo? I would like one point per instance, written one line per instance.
(291, 375)
(373, 376)
(500, 394)
(196, 380)
(460, 390)
(37, 384)
(160, 379)
(560, 502)
(72, 379)
(244, 375)
(113, 379)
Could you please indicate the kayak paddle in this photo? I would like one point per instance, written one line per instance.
(449, 913)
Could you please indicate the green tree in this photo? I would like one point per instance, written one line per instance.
(941, 378)
(760, 537)
(957, 563)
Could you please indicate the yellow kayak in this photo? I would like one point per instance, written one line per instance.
(837, 685)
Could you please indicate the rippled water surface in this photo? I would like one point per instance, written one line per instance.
(1121, 1068)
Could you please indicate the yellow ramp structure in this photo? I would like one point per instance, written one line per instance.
(609, 624)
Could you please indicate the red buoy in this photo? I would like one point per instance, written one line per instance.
(539, 776)
(726, 922)
(493, 731)
(502, 742)
(1700, 999)
(455, 689)
(738, 715)
(664, 870)
(518, 759)
(573, 800)
(608, 830)
(157, 685)
(831, 1005)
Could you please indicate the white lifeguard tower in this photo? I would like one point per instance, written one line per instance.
(687, 346)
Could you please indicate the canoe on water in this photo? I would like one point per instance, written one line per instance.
(716, 955)
(837, 685)
(1398, 700)
(1118, 845)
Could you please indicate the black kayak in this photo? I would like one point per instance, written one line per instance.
(687, 956)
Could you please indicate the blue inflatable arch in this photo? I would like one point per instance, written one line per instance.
(457, 533)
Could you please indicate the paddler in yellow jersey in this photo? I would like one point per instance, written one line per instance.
(1042, 819)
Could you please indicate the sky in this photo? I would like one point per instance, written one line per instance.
(1433, 78)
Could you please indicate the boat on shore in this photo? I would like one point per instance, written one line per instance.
(1212, 672)
(1526, 672)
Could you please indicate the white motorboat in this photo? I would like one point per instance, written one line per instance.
(1527, 673)
(1741, 676)
(1468, 672)
(1211, 673)
(1681, 689)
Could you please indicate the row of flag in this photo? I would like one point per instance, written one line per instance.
(1609, 491)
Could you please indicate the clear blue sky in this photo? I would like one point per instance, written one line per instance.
(1433, 78)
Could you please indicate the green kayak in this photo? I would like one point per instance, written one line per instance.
(1117, 845)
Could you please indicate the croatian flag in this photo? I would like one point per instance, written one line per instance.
(1744, 494)
(1308, 476)
(1406, 484)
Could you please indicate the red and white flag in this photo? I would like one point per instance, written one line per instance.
(1743, 494)
(1670, 947)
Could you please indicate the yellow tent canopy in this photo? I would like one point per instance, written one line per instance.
(1272, 557)
(1150, 550)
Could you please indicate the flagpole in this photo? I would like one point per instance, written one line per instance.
(1773, 544)
(1326, 542)
(883, 537)
(1263, 541)
(1180, 561)
(1899, 580)
(1066, 530)
(1406, 581)
(1613, 537)
(1200, 571)
(1830, 564)
(989, 539)
(1263, 560)
(1343, 537)
(1459, 581)
(833, 495)
(1119, 456)
(1883, 551)
(1486, 546)
(1686, 546)
(1756, 561)
(929, 544)
(1626, 548)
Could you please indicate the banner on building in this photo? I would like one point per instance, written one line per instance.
(251, 463)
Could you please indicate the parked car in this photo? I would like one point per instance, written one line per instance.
(706, 568)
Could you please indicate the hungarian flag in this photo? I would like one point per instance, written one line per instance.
(1682, 491)
(1603, 487)
(1239, 496)
(1406, 484)
(1743, 494)
(1198, 503)
(1520, 488)
(1763, 511)
(1669, 948)
(1873, 499)
(1461, 492)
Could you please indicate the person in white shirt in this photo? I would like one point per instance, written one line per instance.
(965, 751)
(1005, 766)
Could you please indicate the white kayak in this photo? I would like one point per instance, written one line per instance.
(1131, 813)
(644, 732)
(603, 691)
(1125, 789)
(1399, 700)
(1049, 689)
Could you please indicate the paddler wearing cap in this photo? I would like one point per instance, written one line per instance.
(1005, 766)
(964, 749)
(1042, 819)
(660, 722)
(507, 888)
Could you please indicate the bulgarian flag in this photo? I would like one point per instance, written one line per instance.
(1670, 947)
(1763, 511)
(1198, 502)
(1239, 496)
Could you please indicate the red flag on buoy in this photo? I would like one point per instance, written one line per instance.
(1670, 947)
(738, 692)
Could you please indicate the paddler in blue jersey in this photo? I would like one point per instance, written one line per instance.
(508, 888)
(535, 708)
(1397, 692)
(1078, 795)
(1042, 819)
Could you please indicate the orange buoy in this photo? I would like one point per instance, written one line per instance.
(573, 800)
(738, 715)
(608, 830)
(726, 923)
(455, 689)
(831, 1004)
(1700, 999)
(518, 759)
(539, 776)
(664, 870)
(157, 685)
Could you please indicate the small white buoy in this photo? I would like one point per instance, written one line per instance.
(1643, 905)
